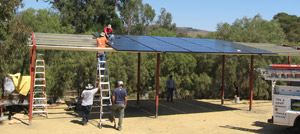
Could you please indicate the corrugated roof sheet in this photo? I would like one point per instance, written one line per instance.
(135, 43)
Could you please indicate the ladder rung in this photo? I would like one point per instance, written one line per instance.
(103, 83)
(39, 60)
(39, 72)
(105, 112)
(106, 105)
(39, 98)
(39, 66)
(104, 76)
(39, 92)
(101, 68)
(38, 88)
(105, 98)
(38, 112)
(39, 85)
(39, 79)
(40, 54)
(103, 120)
(39, 105)
(105, 90)
(101, 61)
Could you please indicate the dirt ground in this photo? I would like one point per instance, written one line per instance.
(180, 117)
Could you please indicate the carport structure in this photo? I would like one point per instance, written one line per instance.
(158, 45)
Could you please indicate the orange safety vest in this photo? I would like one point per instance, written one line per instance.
(101, 41)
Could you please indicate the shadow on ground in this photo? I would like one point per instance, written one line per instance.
(146, 108)
(266, 128)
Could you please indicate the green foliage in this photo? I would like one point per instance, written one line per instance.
(8, 9)
(165, 20)
(148, 14)
(123, 66)
(135, 15)
(256, 30)
(162, 32)
(88, 15)
(13, 40)
(290, 25)
(242, 30)
(210, 35)
(69, 70)
(183, 35)
(45, 21)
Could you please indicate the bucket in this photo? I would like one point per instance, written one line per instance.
(237, 99)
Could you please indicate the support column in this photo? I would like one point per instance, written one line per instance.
(32, 74)
(289, 62)
(138, 79)
(2, 100)
(157, 84)
(251, 84)
(223, 76)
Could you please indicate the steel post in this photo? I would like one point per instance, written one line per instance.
(157, 84)
(32, 74)
(251, 84)
(138, 79)
(2, 100)
(223, 76)
(289, 62)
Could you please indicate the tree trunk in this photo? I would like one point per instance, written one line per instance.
(128, 26)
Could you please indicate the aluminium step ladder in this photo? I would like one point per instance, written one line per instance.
(103, 97)
(39, 91)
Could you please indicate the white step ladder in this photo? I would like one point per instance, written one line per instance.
(103, 97)
(39, 91)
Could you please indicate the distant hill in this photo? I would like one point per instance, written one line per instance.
(191, 31)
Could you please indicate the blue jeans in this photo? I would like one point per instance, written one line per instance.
(110, 36)
(170, 94)
(101, 57)
(86, 110)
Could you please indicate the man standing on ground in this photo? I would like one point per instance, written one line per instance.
(119, 100)
(87, 98)
(171, 87)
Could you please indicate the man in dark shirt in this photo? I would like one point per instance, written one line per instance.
(119, 100)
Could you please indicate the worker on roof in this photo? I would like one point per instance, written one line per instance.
(87, 98)
(101, 42)
(108, 32)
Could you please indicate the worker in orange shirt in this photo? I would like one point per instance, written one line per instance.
(101, 42)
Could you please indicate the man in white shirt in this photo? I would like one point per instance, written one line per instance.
(87, 98)
(171, 87)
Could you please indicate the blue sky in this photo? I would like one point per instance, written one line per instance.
(206, 14)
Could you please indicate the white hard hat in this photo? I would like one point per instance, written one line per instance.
(109, 26)
(102, 34)
(120, 82)
(89, 86)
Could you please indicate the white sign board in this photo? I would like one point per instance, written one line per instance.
(281, 105)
